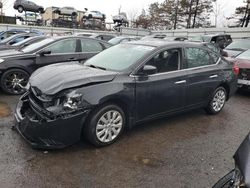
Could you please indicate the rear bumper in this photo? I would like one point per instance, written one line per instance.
(43, 133)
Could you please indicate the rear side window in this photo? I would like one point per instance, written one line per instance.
(197, 57)
(91, 46)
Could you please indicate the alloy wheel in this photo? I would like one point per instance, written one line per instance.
(219, 100)
(109, 126)
(14, 82)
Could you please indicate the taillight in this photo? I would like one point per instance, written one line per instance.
(236, 69)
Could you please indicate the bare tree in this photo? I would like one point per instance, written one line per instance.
(132, 16)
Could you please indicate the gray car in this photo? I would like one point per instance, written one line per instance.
(24, 5)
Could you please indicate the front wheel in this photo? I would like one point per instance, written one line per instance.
(217, 101)
(106, 125)
(13, 81)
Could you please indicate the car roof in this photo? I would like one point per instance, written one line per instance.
(216, 35)
(164, 43)
(81, 37)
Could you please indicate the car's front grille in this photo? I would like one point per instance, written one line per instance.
(244, 74)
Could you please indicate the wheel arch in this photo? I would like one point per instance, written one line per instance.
(227, 88)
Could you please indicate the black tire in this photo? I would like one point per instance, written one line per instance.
(215, 109)
(90, 16)
(20, 9)
(90, 129)
(226, 181)
(8, 78)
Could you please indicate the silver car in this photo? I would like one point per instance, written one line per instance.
(71, 11)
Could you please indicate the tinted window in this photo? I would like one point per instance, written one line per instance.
(90, 46)
(197, 57)
(64, 46)
(166, 61)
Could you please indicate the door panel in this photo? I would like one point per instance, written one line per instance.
(164, 91)
(160, 94)
(203, 75)
(61, 51)
(201, 84)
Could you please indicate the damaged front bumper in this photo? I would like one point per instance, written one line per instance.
(44, 133)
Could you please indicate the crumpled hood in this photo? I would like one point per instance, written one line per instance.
(51, 79)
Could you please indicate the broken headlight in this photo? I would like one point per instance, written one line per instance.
(67, 102)
(73, 101)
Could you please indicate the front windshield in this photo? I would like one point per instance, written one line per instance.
(8, 39)
(120, 57)
(115, 40)
(23, 41)
(244, 55)
(240, 44)
(37, 45)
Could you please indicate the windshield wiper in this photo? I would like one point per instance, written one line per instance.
(237, 49)
(96, 67)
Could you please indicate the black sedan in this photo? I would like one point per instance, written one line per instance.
(124, 85)
(17, 66)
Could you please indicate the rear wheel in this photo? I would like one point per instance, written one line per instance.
(105, 126)
(217, 101)
(20, 9)
(13, 81)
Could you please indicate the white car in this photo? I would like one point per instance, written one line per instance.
(67, 11)
(122, 17)
(95, 14)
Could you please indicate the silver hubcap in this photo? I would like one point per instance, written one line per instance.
(219, 100)
(109, 126)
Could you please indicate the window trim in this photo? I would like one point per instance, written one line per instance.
(182, 58)
(180, 70)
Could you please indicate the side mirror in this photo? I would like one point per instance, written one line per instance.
(148, 70)
(46, 52)
(12, 42)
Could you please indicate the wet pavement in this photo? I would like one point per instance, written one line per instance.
(188, 150)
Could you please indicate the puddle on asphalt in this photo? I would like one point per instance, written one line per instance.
(4, 110)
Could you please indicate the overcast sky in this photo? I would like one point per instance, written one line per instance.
(110, 7)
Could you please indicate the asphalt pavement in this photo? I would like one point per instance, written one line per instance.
(184, 151)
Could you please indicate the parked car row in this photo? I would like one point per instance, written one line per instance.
(119, 87)
(102, 88)
(79, 86)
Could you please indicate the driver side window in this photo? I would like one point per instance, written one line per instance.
(166, 61)
(64, 46)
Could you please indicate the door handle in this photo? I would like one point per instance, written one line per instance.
(72, 59)
(181, 82)
(213, 76)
